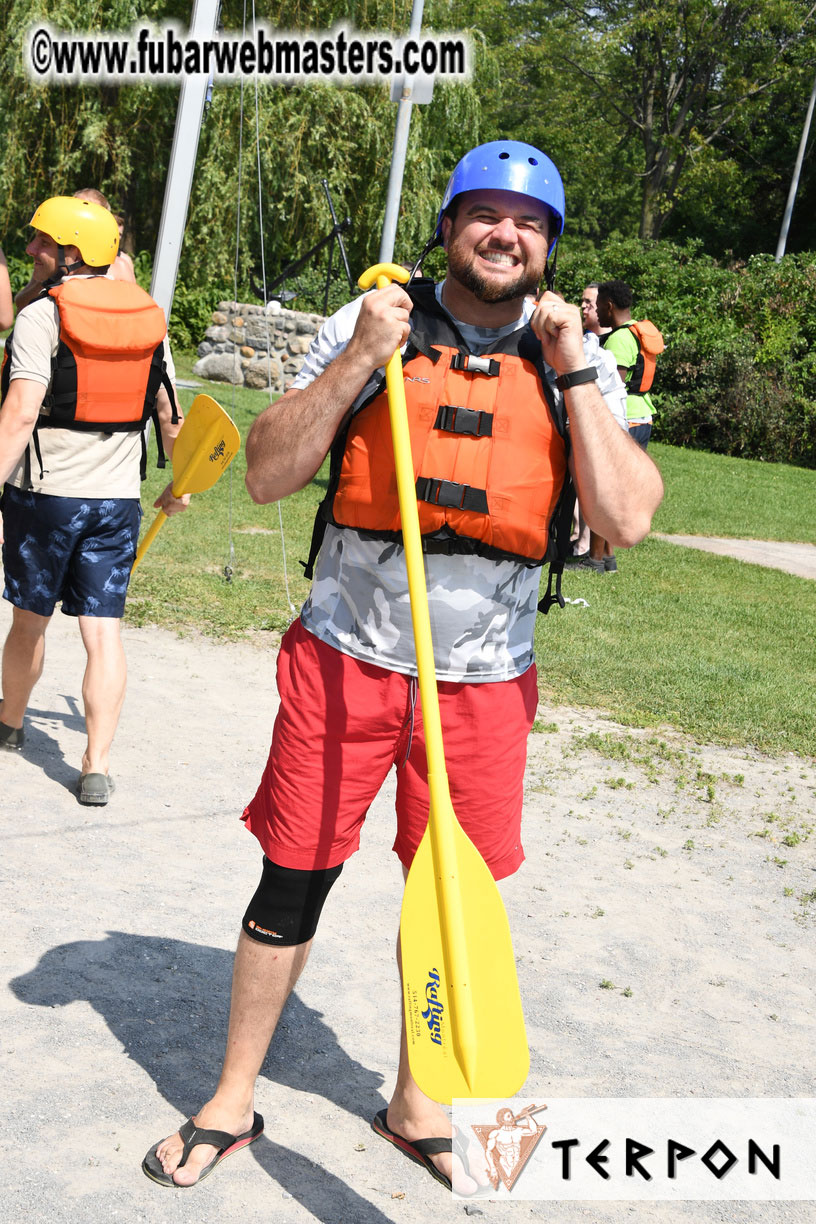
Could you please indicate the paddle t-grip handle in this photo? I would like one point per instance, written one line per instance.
(382, 275)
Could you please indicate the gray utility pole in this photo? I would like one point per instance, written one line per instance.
(405, 90)
(794, 187)
(180, 173)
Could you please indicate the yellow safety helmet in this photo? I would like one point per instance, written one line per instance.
(73, 222)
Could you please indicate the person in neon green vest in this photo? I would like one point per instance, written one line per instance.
(635, 361)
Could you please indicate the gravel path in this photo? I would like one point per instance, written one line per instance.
(664, 927)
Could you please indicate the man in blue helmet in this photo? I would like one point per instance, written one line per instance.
(506, 400)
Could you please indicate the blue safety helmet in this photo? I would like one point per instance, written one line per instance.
(508, 165)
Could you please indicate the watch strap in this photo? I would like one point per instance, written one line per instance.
(575, 378)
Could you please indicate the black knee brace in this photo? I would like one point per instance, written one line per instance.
(287, 904)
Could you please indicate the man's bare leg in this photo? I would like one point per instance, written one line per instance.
(262, 980)
(23, 658)
(103, 687)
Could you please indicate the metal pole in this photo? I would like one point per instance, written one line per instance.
(794, 187)
(179, 182)
(400, 149)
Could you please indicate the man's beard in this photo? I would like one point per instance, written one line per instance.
(462, 269)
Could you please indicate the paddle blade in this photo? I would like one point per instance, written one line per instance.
(207, 443)
(463, 1014)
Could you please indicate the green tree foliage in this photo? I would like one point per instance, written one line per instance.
(690, 78)
(676, 117)
(57, 138)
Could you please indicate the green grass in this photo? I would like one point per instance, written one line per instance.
(719, 649)
(722, 650)
(182, 584)
(717, 495)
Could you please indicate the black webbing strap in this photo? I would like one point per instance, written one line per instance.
(448, 493)
(418, 343)
(168, 386)
(453, 419)
(35, 437)
(476, 365)
(550, 598)
(318, 532)
(161, 462)
(143, 457)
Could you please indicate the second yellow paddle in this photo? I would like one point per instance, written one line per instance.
(206, 445)
(463, 1014)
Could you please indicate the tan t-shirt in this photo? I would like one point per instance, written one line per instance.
(75, 463)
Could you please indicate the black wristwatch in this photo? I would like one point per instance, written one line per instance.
(565, 381)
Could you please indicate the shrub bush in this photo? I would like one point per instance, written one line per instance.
(738, 376)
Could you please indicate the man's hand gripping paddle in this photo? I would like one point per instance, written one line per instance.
(206, 445)
(463, 1015)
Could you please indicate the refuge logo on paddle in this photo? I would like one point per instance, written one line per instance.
(425, 1012)
(218, 451)
(434, 1012)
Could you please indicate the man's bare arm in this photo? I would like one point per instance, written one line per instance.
(618, 485)
(6, 307)
(164, 410)
(166, 501)
(18, 417)
(291, 438)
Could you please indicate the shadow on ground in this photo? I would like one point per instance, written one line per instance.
(166, 1001)
(43, 736)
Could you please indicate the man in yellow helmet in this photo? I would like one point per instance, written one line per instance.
(85, 367)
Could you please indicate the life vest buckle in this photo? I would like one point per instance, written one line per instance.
(476, 365)
(449, 494)
(454, 419)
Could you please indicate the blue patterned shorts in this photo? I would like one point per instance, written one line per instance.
(76, 549)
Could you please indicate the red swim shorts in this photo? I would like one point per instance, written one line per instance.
(341, 726)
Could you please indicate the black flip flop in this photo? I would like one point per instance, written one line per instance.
(420, 1151)
(192, 1136)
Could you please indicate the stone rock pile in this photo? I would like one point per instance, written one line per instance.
(251, 347)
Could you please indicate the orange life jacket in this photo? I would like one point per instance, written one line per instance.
(489, 450)
(650, 344)
(109, 363)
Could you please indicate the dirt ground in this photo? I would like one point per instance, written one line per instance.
(663, 922)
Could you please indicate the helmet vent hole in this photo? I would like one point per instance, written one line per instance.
(532, 161)
(503, 156)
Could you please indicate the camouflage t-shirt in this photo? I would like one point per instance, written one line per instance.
(482, 612)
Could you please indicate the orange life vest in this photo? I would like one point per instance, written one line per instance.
(650, 344)
(109, 363)
(489, 449)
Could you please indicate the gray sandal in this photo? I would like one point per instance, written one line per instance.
(95, 789)
(11, 738)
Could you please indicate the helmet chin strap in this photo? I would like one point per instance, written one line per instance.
(550, 269)
(432, 242)
(64, 268)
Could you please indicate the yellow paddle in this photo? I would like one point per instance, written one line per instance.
(206, 445)
(463, 1013)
